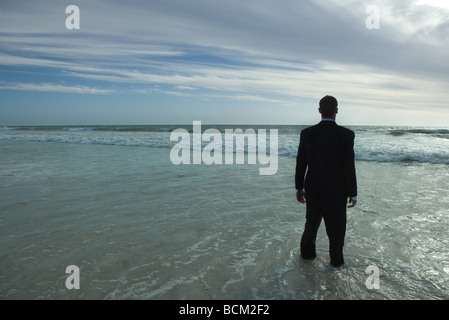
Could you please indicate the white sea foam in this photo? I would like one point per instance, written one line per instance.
(381, 144)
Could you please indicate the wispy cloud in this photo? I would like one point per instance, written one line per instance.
(49, 87)
(275, 52)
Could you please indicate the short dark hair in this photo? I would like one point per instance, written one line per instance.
(328, 105)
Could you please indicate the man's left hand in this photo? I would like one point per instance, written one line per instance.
(352, 203)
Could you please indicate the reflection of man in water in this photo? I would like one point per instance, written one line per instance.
(326, 152)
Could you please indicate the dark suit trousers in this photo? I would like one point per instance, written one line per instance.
(334, 215)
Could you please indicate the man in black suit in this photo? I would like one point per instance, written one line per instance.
(326, 152)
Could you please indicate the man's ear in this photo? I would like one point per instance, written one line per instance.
(319, 110)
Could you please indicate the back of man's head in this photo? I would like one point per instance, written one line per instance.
(328, 105)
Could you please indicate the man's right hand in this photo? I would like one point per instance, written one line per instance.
(300, 196)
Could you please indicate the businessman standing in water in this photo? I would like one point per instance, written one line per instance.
(325, 180)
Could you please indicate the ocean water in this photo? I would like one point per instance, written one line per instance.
(109, 200)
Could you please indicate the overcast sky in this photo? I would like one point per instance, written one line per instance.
(223, 62)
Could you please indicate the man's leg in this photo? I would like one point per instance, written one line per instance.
(313, 220)
(335, 222)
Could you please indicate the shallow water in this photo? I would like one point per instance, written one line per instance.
(139, 227)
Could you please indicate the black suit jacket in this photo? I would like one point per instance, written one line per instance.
(325, 165)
